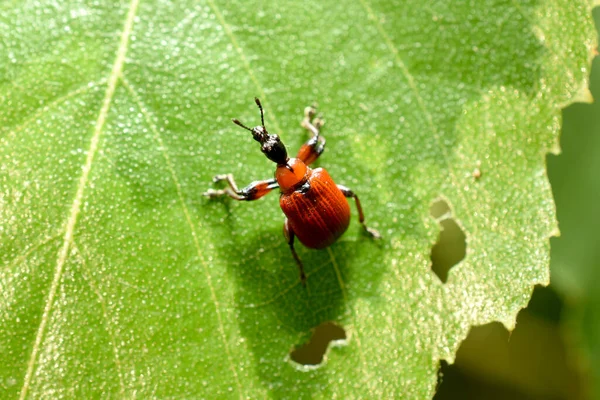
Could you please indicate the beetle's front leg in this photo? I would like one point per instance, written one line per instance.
(361, 217)
(253, 191)
(315, 146)
(288, 232)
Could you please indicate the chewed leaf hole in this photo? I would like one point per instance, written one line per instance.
(313, 353)
(451, 246)
(440, 209)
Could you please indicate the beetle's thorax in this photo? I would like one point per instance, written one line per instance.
(291, 175)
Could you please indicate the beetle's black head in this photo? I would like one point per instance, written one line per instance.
(271, 145)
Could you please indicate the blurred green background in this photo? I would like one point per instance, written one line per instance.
(554, 352)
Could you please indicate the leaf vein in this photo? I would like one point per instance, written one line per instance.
(102, 302)
(413, 86)
(245, 61)
(57, 101)
(188, 218)
(338, 274)
(248, 68)
(76, 205)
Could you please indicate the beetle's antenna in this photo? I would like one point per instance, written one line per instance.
(262, 114)
(237, 122)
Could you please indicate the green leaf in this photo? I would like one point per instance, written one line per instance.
(575, 255)
(120, 279)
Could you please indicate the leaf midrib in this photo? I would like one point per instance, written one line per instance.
(76, 205)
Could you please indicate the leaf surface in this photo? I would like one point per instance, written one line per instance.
(119, 279)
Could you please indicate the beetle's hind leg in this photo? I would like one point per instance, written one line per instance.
(312, 149)
(288, 232)
(361, 216)
(253, 191)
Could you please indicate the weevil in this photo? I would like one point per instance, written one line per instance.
(316, 208)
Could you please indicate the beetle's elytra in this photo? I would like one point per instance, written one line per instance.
(316, 209)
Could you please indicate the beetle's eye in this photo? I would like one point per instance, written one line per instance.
(259, 134)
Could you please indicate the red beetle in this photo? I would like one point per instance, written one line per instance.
(316, 208)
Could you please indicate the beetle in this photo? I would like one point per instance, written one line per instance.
(316, 209)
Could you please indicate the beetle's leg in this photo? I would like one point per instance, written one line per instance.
(288, 232)
(253, 191)
(312, 149)
(361, 217)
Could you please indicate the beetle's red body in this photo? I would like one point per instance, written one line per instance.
(316, 208)
(317, 211)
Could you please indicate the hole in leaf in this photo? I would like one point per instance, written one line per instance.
(451, 246)
(440, 209)
(313, 352)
